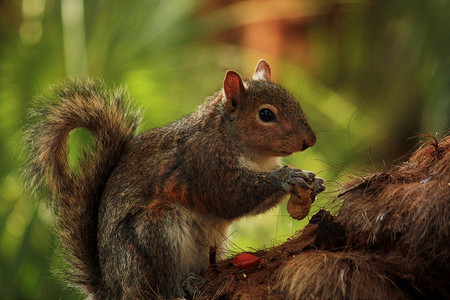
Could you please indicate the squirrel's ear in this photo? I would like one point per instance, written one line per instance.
(233, 88)
(262, 71)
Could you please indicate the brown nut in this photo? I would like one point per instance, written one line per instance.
(299, 203)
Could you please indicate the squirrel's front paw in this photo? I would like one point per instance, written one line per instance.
(291, 177)
(301, 198)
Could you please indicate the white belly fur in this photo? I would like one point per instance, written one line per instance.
(194, 236)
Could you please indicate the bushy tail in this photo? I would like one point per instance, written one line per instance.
(75, 196)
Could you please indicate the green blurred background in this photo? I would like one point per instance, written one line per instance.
(370, 75)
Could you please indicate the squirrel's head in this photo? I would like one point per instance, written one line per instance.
(264, 117)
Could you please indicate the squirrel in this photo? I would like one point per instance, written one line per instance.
(138, 218)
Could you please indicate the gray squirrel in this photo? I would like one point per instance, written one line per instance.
(138, 218)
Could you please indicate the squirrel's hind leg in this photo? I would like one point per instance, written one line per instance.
(157, 252)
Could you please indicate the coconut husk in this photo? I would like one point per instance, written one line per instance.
(389, 240)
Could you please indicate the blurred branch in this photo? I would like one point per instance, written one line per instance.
(72, 12)
(255, 11)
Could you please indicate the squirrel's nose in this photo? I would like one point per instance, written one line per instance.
(309, 141)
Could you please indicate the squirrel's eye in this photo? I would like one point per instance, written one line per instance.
(266, 115)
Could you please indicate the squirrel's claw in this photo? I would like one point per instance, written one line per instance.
(303, 179)
(317, 188)
(297, 177)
